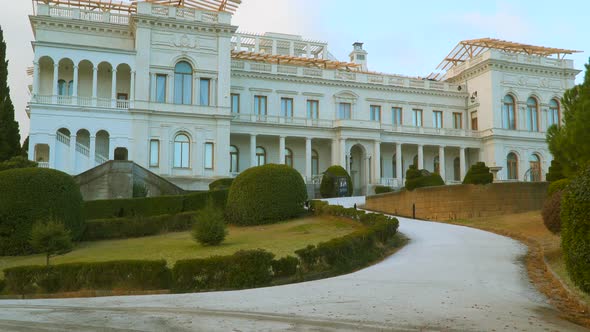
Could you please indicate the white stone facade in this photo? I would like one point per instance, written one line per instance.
(108, 86)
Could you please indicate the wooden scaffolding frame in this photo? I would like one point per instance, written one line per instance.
(131, 6)
(293, 60)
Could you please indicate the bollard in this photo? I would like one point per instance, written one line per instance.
(413, 210)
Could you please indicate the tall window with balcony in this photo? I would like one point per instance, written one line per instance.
(205, 91)
(209, 155)
(437, 119)
(160, 88)
(260, 156)
(315, 163)
(288, 157)
(181, 151)
(512, 166)
(396, 114)
(375, 113)
(234, 159)
(183, 83)
(474, 125)
(154, 153)
(62, 88)
(235, 103)
(71, 88)
(260, 106)
(508, 113)
(313, 109)
(553, 116)
(457, 120)
(287, 108)
(532, 114)
(417, 118)
(344, 111)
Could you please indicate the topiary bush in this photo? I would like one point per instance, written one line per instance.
(479, 173)
(382, 189)
(221, 184)
(421, 178)
(285, 266)
(575, 229)
(209, 228)
(31, 194)
(17, 162)
(328, 188)
(551, 212)
(558, 185)
(555, 171)
(266, 194)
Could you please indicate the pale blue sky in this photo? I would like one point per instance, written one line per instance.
(402, 37)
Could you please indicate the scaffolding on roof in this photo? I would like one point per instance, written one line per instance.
(293, 60)
(468, 49)
(131, 6)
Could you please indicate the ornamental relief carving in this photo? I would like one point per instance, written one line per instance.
(183, 41)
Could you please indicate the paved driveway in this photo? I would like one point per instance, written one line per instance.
(447, 278)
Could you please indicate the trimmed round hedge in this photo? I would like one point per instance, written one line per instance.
(266, 194)
(28, 195)
(575, 229)
(327, 186)
(479, 173)
(416, 178)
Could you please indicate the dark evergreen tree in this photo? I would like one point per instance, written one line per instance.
(9, 132)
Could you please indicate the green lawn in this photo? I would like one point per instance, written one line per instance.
(281, 239)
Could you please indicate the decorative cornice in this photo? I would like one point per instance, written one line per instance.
(148, 21)
(83, 26)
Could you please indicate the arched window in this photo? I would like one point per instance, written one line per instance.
(183, 83)
(508, 113)
(512, 166)
(554, 116)
(436, 165)
(260, 156)
(457, 169)
(315, 162)
(61, 87)
(181, 151)
(532, 114)
(234, 159)
(70, 88)
(535, 163)
(288, 157)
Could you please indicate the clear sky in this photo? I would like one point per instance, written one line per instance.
(402, 37)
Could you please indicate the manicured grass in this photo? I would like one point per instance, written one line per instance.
(282, 239)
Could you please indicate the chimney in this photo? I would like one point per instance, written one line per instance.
(359, 56)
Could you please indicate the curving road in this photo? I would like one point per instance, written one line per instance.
(448, 278)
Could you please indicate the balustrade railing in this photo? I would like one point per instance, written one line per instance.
(42, 164)
(100, 159)
(82, 101)
(274, 119)
(82, 149)
(63, 138)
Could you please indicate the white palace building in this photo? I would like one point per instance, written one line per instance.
(171, 85)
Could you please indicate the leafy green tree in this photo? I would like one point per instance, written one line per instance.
(9, 132)
(25, 148)
(17, 162)
(570, 143)
(51, 238)
(209, 228)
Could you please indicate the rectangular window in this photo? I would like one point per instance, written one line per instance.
(154, 153)
(235, 103)
(457, 120)
(396, 114)
(208, 155)
(474, 120)
(313, 109)
(437, 119)
(417, 118)
(160, 88)
(375, 113)
(260, 105)
(344, 110)
(205, 91)
(287, 107)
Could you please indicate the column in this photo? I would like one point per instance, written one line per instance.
(462, 163)
(114, 88)
(308, 48)
(367, 174)
(132, 90)
(308, 159)
(35, 78)
(253, 150)
(274, 47)
(399, 168)
(291, 48)
(55, 78)
(334, 149)
(257, 44)
(52, 144)
(420, 156)
(75, 92)
(72, 162)
(238, 43)
(282, 150)
(442, 164)
(377, 162)
(94, 85)
(92, 155)
(342, 152)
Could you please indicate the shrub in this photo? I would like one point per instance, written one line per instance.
(139, 190)
(555, 171)
(31, 194)
(266, 194)
(50, 238)
(221, 184)
(244, 269)
(209, 228)
(551, 212)
(575, 229)
(479, 173)
(218, 198)
(285, 266)
(2, 285)
(138, 226)
(328, 187)
(558, 185)
(17, 162)
(382, 189)
(421, 178)
(128, 275)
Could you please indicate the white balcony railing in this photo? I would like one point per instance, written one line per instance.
(42, 164)
(82, 149)
(391, 182)
(63, 138)
(274, 119)
(82, 101)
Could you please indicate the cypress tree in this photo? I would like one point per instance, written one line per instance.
(9, 131)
